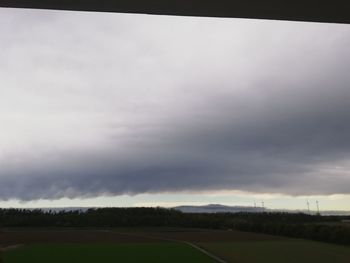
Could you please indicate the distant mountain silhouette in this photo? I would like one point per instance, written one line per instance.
(217, 208)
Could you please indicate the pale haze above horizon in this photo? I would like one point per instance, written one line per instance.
(101, 109)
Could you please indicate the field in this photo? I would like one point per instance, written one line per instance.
(132, 252)
(161, 245)
(286, 251)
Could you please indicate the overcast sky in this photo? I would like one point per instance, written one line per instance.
(96, 104)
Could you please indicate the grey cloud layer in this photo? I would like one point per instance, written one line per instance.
(97, 104)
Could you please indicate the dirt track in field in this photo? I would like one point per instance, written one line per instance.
(7, 248)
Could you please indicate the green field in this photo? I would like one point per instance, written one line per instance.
(286, 251)
(142, 245)
(73, 253)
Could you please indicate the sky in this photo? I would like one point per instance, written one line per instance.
(100, 109)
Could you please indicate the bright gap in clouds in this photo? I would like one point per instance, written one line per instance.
(95, 105)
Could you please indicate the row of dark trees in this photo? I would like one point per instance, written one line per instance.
(314, 227)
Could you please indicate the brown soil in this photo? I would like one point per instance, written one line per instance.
(213, 236)
(9, 238)
(28, 236)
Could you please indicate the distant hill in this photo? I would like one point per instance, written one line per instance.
(217, 208)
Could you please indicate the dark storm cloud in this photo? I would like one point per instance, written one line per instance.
(115, 104)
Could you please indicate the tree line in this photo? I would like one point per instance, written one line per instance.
(298, 225)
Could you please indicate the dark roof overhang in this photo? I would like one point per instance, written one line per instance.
(333, 11)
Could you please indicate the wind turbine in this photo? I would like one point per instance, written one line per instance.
(308, 206)
(318, 208)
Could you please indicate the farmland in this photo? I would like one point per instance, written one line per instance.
(286, 251)
(126, 252)
(160, 244)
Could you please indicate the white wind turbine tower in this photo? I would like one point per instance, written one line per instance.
(318, 207)
(308, 206)
(262, 205)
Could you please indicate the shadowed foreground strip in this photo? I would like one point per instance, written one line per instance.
(138, 252)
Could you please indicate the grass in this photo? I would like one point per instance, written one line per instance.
(105, 253)
(132, 245)
(287, 251)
